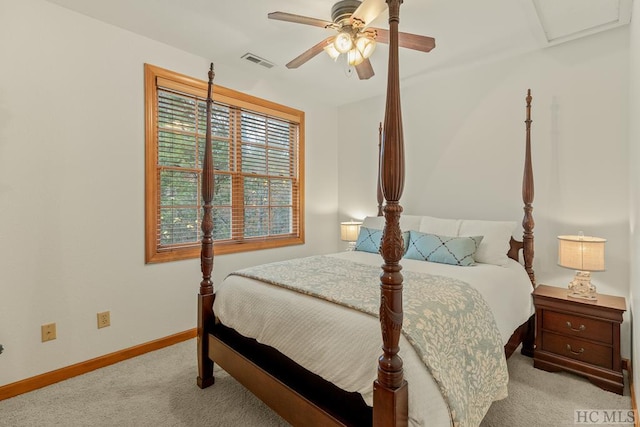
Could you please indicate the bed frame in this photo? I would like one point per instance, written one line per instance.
(299, 396)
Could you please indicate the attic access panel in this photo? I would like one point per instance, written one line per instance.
(569, 19)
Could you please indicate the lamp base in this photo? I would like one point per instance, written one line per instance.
(352, 246)
(581, 287)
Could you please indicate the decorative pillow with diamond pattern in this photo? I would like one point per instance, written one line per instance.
(369, 240)
(442, 249)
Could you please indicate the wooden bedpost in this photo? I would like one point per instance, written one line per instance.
(205, 297)
(390, 399)
(527, 198)
(379, 190)
(528, 341)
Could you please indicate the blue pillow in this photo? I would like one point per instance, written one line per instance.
(442, 249)
(369, 240)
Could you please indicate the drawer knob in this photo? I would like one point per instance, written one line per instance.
(579, 329)
(575, 352)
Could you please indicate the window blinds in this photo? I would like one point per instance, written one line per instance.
(255, 154)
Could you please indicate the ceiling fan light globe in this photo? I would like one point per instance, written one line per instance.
(343, 42)
(354, 57)
(332, 51)
(366, 46)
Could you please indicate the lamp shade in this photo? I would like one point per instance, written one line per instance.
(349, 231)
(365, 45)
(343, 42)
(354, 57)
(582, 253)
(332, 51)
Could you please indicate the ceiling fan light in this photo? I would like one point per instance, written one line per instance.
(332, 51)
(343, 42)
(354, 57)
(366, 46)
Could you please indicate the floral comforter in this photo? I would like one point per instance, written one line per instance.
(447, 322)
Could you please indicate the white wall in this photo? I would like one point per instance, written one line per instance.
(72, 189)
(464, 140)
(634, 179)
(72, 172)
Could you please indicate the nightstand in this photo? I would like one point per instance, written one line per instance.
(579, 336)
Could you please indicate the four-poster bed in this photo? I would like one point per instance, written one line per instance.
(296, 391)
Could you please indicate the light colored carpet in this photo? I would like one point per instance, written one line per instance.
(546, 399)
(159, 389)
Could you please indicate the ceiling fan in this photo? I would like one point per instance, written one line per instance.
(350, 18)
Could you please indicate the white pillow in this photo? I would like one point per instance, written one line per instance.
(440, 226)
(407, 222)
(410, 222)
(496, 237)
(373, 222)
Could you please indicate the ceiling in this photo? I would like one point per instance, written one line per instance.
(466, 31)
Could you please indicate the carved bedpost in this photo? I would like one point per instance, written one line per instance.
(379, 191)
(206, 296)
(390, 401)
(527, 198)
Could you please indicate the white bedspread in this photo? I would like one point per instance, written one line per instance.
(283, 319)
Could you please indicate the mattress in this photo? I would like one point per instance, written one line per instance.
(304, 328)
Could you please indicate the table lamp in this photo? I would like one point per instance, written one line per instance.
(349, 231)
(583, 254)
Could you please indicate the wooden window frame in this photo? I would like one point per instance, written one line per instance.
(158, 77)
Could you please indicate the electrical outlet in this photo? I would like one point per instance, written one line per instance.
(104, 319)
(48, 332)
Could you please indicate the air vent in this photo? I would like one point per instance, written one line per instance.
(257, 60)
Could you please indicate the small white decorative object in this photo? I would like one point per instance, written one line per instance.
(581, 286)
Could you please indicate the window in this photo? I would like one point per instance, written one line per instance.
(258, 150)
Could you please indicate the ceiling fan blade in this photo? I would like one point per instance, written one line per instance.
(368, 11)
(298, 19)
(365, 70)
(406, 40)
(310, 53)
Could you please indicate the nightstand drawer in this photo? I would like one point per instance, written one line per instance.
(581, 327)
(578, 349)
